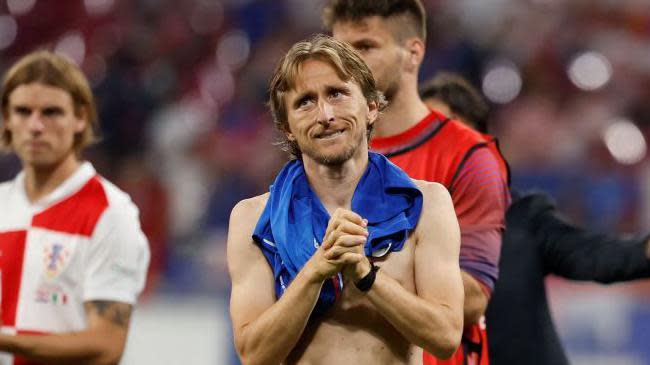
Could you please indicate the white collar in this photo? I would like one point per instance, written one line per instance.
(69, 186)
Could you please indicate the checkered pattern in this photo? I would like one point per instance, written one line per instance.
(82, 242)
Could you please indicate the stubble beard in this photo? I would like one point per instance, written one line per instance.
(389, 81)
(333, 160)
(44, 160)
(391, 91)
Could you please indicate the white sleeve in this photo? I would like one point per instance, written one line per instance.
(118, 257)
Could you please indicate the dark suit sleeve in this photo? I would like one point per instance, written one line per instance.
(575, 253)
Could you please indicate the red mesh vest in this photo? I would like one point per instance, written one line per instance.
(435, 150)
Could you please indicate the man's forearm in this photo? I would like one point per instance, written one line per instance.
(87, 347)
(270, 338)
(433, 327)
(475, 300)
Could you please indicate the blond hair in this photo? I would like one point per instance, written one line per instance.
(347, 63)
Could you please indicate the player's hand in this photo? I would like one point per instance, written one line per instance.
(322, 268)
(355, 272)
(343, 244)
(346, 229)
(348, 232)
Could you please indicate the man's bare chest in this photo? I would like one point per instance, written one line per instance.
(398, 265)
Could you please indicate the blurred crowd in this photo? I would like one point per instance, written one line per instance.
(181, 90)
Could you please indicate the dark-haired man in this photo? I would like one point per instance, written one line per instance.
(537, 241)
(390, 36)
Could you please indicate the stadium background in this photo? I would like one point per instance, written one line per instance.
(181, 91)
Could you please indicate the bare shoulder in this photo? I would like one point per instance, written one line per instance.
(438, 218)
(250, 208)
(241, 251)
(244, 217)
(437, 207)
(433, 192)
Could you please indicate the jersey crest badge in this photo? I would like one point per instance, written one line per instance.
(55, 258)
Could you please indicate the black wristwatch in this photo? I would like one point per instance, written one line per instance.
(365, 283)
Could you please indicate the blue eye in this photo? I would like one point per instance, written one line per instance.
(303, 102)
(336, 93)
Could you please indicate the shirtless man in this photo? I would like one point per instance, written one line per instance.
(384, 280)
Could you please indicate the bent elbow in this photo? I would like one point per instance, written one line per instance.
(246, 360)
(444, 343)
(447, 349)
(444, 346)
(250, 360)
(110, 357)
(247, 355)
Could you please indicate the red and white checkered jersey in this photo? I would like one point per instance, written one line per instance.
(82, 242)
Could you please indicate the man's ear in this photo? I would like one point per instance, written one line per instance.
(415, 53)
(287, 132)
(373, 112)
(80, 125)
(81, 121)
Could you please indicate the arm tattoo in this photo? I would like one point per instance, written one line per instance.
(116, 312)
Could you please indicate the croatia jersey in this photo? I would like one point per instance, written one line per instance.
(80, 243)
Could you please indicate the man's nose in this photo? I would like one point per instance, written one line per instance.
(325, 113)
(35, 122)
